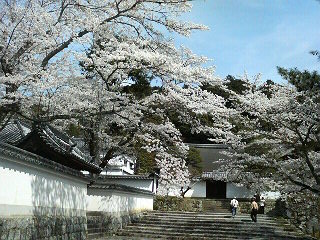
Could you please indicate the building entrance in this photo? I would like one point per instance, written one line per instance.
(216, 189)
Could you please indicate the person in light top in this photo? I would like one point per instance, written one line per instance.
(262, 204)
(234, 204)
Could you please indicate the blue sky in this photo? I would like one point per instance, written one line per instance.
(256, 35)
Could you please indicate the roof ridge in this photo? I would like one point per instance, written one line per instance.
(39, 160)
(65, 151)
(116, 186)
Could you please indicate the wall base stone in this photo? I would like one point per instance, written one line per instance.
(43, 228)
(169, 203)
(107, 224)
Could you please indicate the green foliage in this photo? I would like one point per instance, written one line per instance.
(156, 119)
(218, 90)
(233, 84)
(185, 129)
(237, 85)
(302, 80)
(194, 162)
(141, 84)
(145, 161)
(74, 130)
(267, 88)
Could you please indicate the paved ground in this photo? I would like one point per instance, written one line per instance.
(121, 238)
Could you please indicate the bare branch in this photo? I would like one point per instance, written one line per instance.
(305, 186)
(66, 44)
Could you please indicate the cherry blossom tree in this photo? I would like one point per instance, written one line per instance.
(280, 131)
(67, 61)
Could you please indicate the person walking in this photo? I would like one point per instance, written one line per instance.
(254, 210)
(257, 197)
(262, 204)
(234, 204)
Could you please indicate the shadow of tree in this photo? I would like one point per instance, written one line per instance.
(115, 210)
(43, 203)
(59, 205)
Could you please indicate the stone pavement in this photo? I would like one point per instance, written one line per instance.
(192, 225)
(122, 238)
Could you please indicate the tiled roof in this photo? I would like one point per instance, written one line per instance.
(81, 145)
(14, 132)
(142, 177)
(18, 153)
(17, 132)
(63, 144)
(119, 187)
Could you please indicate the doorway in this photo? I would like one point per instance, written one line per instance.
(216, 189)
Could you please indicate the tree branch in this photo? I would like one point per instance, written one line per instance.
(305, 152)
(305, 186)
(65, 116)
(66, 44)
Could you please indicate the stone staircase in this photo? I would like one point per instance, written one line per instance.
(191, 225)
(216, 205)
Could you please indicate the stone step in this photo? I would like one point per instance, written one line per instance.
(230, 226)
(190, 213)
(197, 235)
(202, 214)
(214, 217)
(196, 213)
(216, 237)
(212, 224)
(151, 236)
(123, 238)
(203, 220)
(195, 225)
(234, 231)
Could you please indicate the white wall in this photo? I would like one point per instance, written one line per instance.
(234, 190)
(145, 184)
(118, 203)
(28, 189)
(115, 171)
(198, 190)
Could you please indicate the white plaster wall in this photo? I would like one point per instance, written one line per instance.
(118, 171)
(26, 189)
(145, 184)
(198, 190)
(234, 190)
(117, 202)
